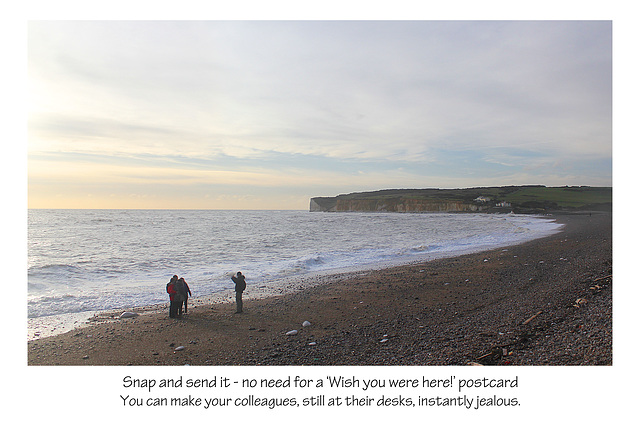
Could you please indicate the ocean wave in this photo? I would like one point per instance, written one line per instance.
(59, 304)
(108, 268)
(54, 272)
(55, 267)
(422, 248)
(312, 261)
(35, 286)
(78, 303)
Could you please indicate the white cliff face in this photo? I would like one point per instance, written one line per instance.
(315, 207)
(390, 205)
(403, 205)
(322, 204)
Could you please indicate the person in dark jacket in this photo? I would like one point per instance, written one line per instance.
(238, 279)
(187, 292)
(181, 287)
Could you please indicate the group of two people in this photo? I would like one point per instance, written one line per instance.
(178, 290)
(179, 293)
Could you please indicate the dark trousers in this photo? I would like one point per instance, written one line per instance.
(238, 301)
(180, 308)
(185, 305)
(173, 309)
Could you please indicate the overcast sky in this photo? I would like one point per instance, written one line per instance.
(266, 114)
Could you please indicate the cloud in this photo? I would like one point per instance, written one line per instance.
(334, 98)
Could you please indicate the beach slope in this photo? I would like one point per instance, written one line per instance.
(546, 302)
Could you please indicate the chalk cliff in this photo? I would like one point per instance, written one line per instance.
(517, 199)
(326, 204)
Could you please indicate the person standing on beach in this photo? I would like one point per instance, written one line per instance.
(173, 279)
(187, 293)
(173, 297)
(180, 295)
(238, 279)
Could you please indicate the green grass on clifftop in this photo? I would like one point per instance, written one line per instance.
(521, 198)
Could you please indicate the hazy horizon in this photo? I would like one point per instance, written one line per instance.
(279, 209)
(268, 114)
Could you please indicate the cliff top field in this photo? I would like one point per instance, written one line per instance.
(532, 198)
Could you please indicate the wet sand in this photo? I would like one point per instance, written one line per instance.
(545, 302)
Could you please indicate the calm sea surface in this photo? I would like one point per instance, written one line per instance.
(93, 260)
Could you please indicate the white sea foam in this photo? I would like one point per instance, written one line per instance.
(89, 261)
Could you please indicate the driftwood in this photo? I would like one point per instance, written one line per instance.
(531, 318)
(492, 357)
(482, 357)
(603, 278)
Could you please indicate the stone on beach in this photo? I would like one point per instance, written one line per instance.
(306, 323)
(292, 332)
(128, 314)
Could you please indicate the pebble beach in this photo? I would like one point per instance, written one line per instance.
(544, 302)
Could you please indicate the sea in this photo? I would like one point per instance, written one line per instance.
(84, 262)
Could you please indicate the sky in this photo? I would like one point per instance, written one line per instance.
(267, 114)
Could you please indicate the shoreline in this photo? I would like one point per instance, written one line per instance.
(51, 325)
(450, 311)
(41, 327)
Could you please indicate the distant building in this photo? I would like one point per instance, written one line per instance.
(482, 199)
(503, 205)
